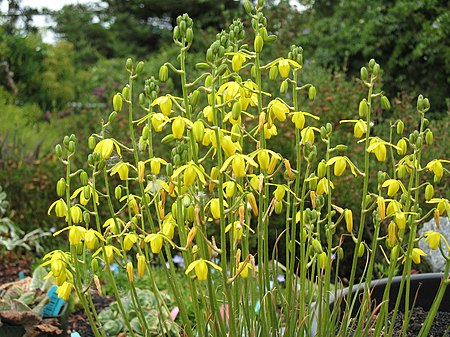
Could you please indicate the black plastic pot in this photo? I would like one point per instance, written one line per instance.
(423, 290)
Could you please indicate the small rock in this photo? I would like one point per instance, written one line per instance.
(434, 257)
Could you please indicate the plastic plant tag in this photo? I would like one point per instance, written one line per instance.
(53, 308)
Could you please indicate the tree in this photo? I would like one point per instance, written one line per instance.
(410, 40)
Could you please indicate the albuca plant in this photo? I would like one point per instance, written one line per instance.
(139, 203)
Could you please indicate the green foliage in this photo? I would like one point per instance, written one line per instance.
(409, 37)
(157, 324)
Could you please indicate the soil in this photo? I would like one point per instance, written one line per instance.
(439, 328)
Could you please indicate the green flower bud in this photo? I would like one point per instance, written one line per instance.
(194, 98)
(163, 73)
(189, 35)
(247, 7)
(400, 127)
(235, 133)
(126, 92)
(198, 130)
(176, 33)
(341, 147)
(118, 192)
(376, 69)
(363, 108)
(361, 250)
(312, 93)
(317, 246)
(112, 116)
(340, 253)
(86, 217)
(117, 102)
(426, 103)
(71, 147)
(273, 73)
(58, 150)
(426, 122)
(371, 64)
(278, 207)
(84, 178)
(429, 192)
(169, 169)
(61, 187)
(253, 72)
(429, 137)
(385, 104)
(139, 67)
(129, 64)
(321, 169)
(364, 74)
(284, 87)
(420, 103)
(94, 265)
(402, 147)
(101, 165)
(92, 142)
(258, 44)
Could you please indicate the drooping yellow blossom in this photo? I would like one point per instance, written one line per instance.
(105, 148)
(122, 169)
(76, 234)
(201, 268)
(433, 239)
(129, 240)
(416, 254)
(165, 104)
(60, 208)
(64, 291)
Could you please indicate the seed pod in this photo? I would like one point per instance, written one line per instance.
(94, 265)
(322, 260)
(163, 73)
(312, 93)
(385, 104)
(117, 102)
(429, 191)
(363, 108)
(61, 187)
(401, 172)
(273, 73)
(258, 44)
(364, 74)
(86, 192)
(400, 127)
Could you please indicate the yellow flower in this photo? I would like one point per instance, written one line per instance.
(141, 265)
(91, 238)
(237, 61)
(76, 234)
(109, 253)
(129, 240)
(158, 121)
(270, 131)
(64, 291)
(201, 268)
(322, 186)
(416, 254)
(393, 186)
(215, 208)
(178, 126)
(245, 268)
(378, 147)
(348, 216)
(433, 239)
(76, 214)
(229, 90)
(278, 109)
(111, 225)
(392, 231)
(400, 220)
(156, 242)
(83, 200)
(381, 207)
(60, 208)
(122, 169)
(130, 271)
(284, 68)
(155, 165)
(168, 227)
(307, 135)
(436, 167)
(165, 104)
(105, 148)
